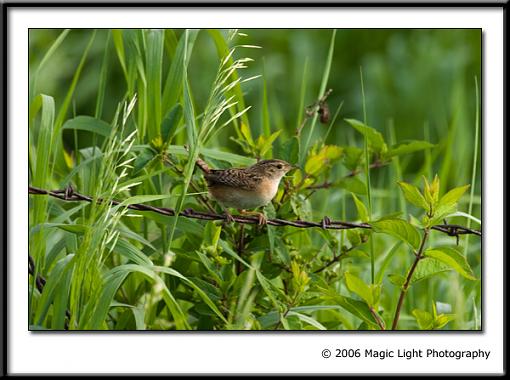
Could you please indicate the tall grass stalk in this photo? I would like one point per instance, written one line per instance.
(218, 103)
(302, 94)
(398, 168)
(46, 58)
(475, 162)
(100, 232)
(367, 176)
(322, 90)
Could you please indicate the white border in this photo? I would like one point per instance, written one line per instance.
(238, 352)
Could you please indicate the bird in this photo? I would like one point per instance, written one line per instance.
(245, 188)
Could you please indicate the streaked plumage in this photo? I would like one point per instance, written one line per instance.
(247, 188)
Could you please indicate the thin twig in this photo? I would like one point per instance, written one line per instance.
(311, 109)
(405, 286)
(334, 260)
(289, 306)
(377, 318)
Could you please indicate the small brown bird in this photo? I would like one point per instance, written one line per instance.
(246, 188)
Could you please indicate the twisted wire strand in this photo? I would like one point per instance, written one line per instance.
(68, 194)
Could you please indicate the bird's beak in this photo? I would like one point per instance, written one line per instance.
(295, 167)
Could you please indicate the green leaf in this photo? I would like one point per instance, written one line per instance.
(354, 237)
(154, 40)
(90, 124)
(49, 53)
(357, 286)
(266, 125)
(465, 215)
(70, 92)
(173, 84)
(352, 157)
(362, 210)
(400, 229)
(388, 258)
(129, 251)
(308, 320)
(353, 185)
(453, 196)
(266, 143)
(144, 199)
(138, 313)
(246, 133)
(442, 212)
(171, 43)
(397, 280)
(408, 147)
(42, 175)
(51, 287)
(74, 228)
(200, 292)
(145, 156)
(331, 152)
(424, 319)
(453, 259)
(211, 235)
(357, 308)
(290, 150)
(375, 138)
(413, 195)
(113, 280)
(314, 164)
(428, 267)
(170, 122)
(442, 319)
(119, 48)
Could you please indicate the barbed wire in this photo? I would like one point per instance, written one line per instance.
(68, 194)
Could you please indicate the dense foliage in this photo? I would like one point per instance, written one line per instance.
(384, 125)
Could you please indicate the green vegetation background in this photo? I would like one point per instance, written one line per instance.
(418, 85)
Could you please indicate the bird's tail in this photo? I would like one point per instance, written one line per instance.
(203, 165)
(200, 163)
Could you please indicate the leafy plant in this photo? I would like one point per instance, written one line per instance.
(125, 122)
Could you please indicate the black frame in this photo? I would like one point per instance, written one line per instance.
(5, 6)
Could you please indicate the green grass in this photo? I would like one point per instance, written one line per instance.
(111, 111)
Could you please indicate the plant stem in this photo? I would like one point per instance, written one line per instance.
(405, 287)
(377, 318)
(289, 306)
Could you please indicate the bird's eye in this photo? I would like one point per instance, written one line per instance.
(279, 166)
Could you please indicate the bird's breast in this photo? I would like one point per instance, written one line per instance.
(239, 198)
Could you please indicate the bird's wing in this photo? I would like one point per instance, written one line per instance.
(233, 178)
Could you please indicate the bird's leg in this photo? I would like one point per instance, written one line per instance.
(228, 216)
(262, 220)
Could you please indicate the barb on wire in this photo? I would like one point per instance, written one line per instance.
(68, 194)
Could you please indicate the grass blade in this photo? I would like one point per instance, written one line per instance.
(322, 90)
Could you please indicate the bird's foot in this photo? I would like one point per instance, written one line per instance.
(228, 217)
(261, 218)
